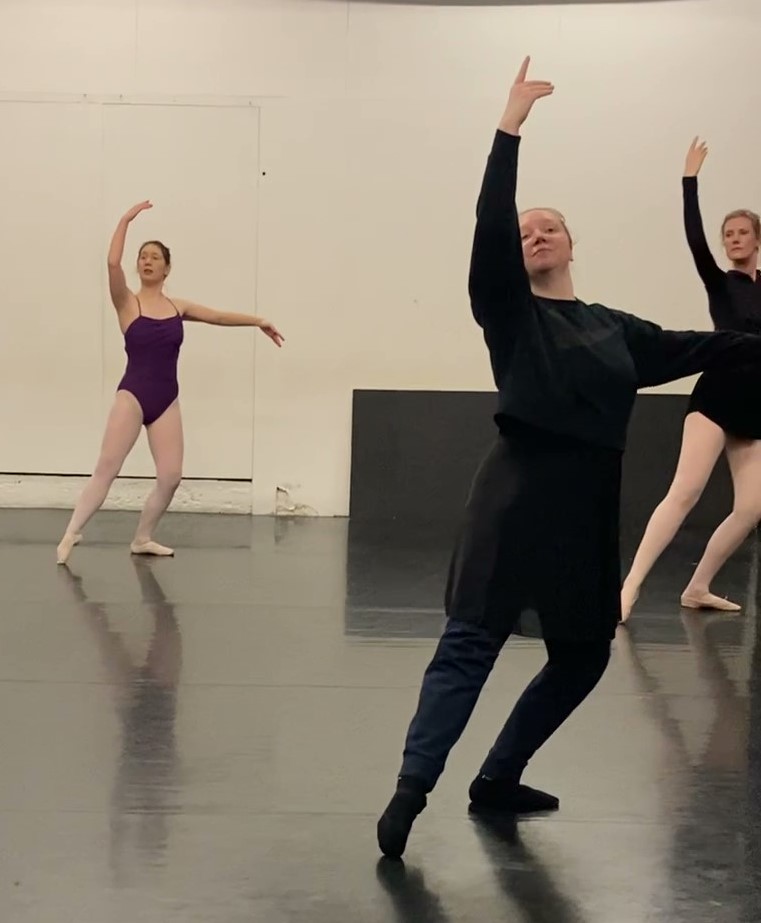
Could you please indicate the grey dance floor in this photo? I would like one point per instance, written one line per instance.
(211, 738)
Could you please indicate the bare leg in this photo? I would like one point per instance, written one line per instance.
(745, 464)
(166, 441)
(122, 429)
(702, 443)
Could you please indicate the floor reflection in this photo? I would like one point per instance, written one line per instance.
(752, 864)
(410, 898)
(146, 788)
(231, 771)
(523, 875)
(703, 764)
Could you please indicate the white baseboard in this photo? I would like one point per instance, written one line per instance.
(57, 492)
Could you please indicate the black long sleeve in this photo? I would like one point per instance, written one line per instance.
(498, 283)
(712, 276)
(661, 356)
(734, 297)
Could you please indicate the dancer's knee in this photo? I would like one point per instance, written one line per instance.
(107, 469)
(747, 513)
(579, 662)
(683, 495)
(465, 654)
(169, 480)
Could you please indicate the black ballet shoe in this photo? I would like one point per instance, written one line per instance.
(397, 820)
(509, 797)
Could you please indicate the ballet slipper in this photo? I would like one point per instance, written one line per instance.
(151, 548)
(708, 601)
(395, 824)
(628, 601)
(69, 540)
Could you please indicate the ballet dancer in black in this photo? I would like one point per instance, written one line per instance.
(724, 413)
(541, 523)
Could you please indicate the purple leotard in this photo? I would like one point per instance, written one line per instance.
(153, 347)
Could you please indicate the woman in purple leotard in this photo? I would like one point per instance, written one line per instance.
(147, 394)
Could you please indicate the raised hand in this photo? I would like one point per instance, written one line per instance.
(523, 94)
(136, 209)
(272, 332)
(695, 157)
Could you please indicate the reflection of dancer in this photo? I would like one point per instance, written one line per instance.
(541, 529)
(146, 703)
(753, 800)
(703, 805)
(526, 879)
(412, 900)
(522, 876)
(724, 412)
(148, 393)
(724, 749)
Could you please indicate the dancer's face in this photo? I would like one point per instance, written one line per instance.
(546, 242)
(151, 265)
(740, 241)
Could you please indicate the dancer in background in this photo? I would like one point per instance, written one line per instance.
(147, 395)
(542, 520)
(724, 412)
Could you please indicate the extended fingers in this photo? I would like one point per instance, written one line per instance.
(521, 78)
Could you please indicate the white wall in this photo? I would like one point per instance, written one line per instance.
(318, 161)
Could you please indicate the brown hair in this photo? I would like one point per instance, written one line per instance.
(754, 219)
(553, 211)
(163, 247)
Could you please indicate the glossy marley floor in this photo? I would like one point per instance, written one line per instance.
(211, 738)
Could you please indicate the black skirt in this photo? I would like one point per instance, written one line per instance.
(730, 399)
(538, 552)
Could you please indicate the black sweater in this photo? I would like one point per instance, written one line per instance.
(734, 299)
(565, 366)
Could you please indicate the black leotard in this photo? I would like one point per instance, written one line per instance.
(731, 398)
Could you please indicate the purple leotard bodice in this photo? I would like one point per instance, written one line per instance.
(153, 348)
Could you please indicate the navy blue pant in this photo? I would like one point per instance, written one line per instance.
(453, 682)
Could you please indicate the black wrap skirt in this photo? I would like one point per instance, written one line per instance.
(538, 550)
